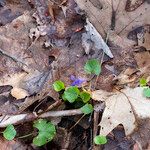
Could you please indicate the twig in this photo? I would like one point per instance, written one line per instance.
(39, 104)
(57, 103)
(76, 123)
(27, 117)
(61, 113)
(24, 136)
(22, 118)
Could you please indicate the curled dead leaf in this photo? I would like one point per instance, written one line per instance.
(19, 93)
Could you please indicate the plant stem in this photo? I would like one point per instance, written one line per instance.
(24, 136)
(76, 123)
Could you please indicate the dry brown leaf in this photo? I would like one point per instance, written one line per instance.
(146, 40)
(141, 35)
(14, 80)
(131, 5)
(125, 21)
(142, 135)
(92, 35)
(12, 145)
(143, 62)
(127, 76)
(122, 107)
(17, 33)
(19, 93)
(51, 11)
(22, 68)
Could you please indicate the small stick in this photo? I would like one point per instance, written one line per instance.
(22, 118)
(61, 113)
(76, 123)
(39, 104)
(57, 103)
(27, 117)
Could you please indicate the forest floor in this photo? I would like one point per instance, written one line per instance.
(53, 51)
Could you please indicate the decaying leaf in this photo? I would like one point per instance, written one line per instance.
(93, 35)
(14, 80)
(143, 62)
(127, 76)
(124, 23)
(97, 3)
(142, 135)
(131, 5)
(122, 107)
(141, 35)
(6, 16)
(144, 39)
(13, 145)
(19, 67)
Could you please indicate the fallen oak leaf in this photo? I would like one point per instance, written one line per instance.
(124, 107)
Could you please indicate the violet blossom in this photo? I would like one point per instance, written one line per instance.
(76, 81)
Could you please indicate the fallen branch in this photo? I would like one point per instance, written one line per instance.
(61, 113)
(22, 118)
(27, 117)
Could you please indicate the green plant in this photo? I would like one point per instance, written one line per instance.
(71, 94)
(143, 82)
(58, 86)
(146, 89)
(46, 132)
(9, 133)
(87, 109)
(146, 92)
(92, 67)
(85, 96)
(100, 140)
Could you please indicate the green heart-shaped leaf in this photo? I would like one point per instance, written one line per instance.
(92, 67)
(71, 94)
(46, 132)
(10, 132)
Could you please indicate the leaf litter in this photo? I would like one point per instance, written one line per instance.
(52, 40)
(135, 106)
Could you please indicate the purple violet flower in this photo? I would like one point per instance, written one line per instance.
(76, 81)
